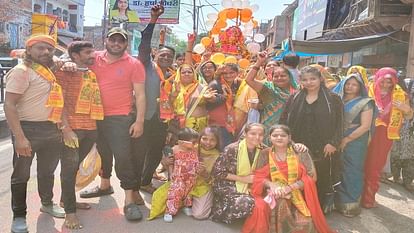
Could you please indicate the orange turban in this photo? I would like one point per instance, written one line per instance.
(40, 38)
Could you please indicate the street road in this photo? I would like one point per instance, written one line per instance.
(394, 214)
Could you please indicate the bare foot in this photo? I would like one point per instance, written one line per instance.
(138, 198)
(79, 205)
(72, 222)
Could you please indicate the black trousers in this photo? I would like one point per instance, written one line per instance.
(46, 143)
(71, 158)
(114, 141)
(147, 149)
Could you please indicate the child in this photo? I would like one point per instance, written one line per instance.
(209, 151)
(184, 175)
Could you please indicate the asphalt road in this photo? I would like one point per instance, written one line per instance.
(394, 214)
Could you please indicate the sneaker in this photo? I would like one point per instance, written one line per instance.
(188, 211)
(54, 210)
(168, 218)
(19, 225)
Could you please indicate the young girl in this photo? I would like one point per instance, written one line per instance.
(184, 175)
(208, 152)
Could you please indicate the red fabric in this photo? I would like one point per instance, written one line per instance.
(116, 82)
(378, 150)
(257, 223)
(384, 102)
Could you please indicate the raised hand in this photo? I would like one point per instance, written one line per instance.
(210, 93)
(191, 37)
(261, 58)
(157, 11)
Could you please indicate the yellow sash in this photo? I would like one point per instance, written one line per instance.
(55, 99)
(293, 170)
(89, 99)
(243, 165)
(396, 117)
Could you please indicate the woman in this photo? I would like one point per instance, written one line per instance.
(207, 70)
(121, 13)
(284, 174)
(232, 174)
(272, 93)
(359, 70)
(393, 106)
(359, 112)
(329, 80)
(188, 99)
(315, 116)
(402, 152)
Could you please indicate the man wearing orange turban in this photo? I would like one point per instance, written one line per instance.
(33, 105)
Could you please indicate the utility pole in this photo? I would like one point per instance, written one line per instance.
(104, 23)
(410, 58)
(196, 13)
(195, 17)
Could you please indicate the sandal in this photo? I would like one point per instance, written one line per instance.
(79, 205)
(96, 192)
(132, 212)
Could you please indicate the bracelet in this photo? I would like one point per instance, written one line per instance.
(256, 68)
(189, 51)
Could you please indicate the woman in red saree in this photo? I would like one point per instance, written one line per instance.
(393, 106)
(284, 189)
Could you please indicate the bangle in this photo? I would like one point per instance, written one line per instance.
(256, 68)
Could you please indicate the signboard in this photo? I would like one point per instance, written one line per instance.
(136, 40)
(139, 11)
(334, 61)
(44, 24)
(309, 19)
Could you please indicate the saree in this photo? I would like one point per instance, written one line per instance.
(188, 99)
(388, 124)
(290, 214)
(353, 156)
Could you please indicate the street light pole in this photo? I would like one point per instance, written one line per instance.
(195, 17)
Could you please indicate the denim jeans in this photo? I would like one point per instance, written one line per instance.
(147, 149)
(46, 143)
(71, 158)
(114, 141)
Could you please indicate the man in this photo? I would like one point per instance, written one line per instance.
(148, 148)
(291, 62)
(32, 106)
(121, 78)
(81, 110)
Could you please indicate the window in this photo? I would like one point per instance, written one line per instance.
(37, 8)
(65, 15)
(49, 9)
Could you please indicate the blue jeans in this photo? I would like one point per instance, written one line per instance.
(46, 143)
(114, 141)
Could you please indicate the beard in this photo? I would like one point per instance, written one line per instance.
(115, 52)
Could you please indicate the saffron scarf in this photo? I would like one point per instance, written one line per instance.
(183, 104)
(208, 157)
(244, 168)
(89, 99)
(361, 71)
(55, 99)
(166, 110)
(230, 118)
(391, 117)
(292, 177)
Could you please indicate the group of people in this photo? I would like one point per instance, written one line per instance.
(274, 146)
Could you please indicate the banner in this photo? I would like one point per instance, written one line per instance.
(45, 24)
(309, 19)
(139, 11)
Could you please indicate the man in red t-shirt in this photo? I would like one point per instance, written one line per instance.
(121, 80)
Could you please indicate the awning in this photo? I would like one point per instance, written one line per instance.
(309, 48)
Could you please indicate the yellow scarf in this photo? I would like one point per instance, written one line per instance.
(396, 117)
(243, 165)
(293, 170)
(209, 157)
(55, 99)
(89, 99)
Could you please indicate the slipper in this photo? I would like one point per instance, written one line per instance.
(132, 212)
(96, 192)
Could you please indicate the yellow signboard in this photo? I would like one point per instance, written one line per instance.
(44, 24)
